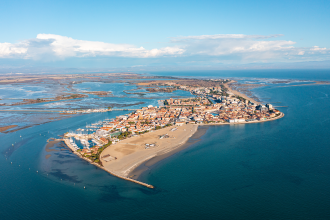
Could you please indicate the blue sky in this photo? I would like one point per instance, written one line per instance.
(163, 34)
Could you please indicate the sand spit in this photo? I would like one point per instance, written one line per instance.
(316, 83)
(5, 128)
(238, 93)
(132, 152)
(133, 156)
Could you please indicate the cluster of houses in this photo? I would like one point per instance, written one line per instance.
(183, 111)
(187, 102)
(223, 109)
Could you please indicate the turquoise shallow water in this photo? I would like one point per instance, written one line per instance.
(273, 170)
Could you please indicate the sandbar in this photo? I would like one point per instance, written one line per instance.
(5, 128)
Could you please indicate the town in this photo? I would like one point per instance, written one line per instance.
(211, 105)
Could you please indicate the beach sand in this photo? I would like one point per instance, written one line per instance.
(135, 173)
(131, 153)
(238, 93)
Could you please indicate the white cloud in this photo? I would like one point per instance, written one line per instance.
(243, 47)
(225, 36)
(317, 48)
(57, 46)
(228, 48)
(246, 48)
(8, 49)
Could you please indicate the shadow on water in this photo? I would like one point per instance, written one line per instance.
(110, 194)
(62, 156)
(64, 162)
(153, 191)
(58, 173)
(10, 150)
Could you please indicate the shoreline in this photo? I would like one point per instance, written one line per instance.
(142, 163)
(238, 93)
(131, 157)
(201, 130)
(67, 143)
(149, 163)
(132, 152)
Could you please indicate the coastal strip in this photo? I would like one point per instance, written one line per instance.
(124, 143)
(281, 115)
(201, 130)
(148, 164)
(235, 92)
(69, 145)
(132, 152)
(5, 128)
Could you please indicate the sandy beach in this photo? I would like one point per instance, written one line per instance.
(238, 93)
(148, 164)
(133, 158)
(132, 152)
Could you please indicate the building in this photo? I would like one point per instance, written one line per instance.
(269, 106)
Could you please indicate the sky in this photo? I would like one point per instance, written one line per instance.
(164, 35)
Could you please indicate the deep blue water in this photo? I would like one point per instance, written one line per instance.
(278, 74)
(273, 170)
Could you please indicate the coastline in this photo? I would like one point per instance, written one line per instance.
(201, 130)
(132, 152)
(148, 164)
(67, 143)
(129, 158)
(238, 93)
(134, 164)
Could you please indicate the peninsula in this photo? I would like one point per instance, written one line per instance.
(124, 143)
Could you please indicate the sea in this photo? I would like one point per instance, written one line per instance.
(274, 170)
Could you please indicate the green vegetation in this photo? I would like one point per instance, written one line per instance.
(131, 122)
(96, 157)
(143, 132)
(124, 135)
(241, 98)
(165, 102)
(210, 102)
